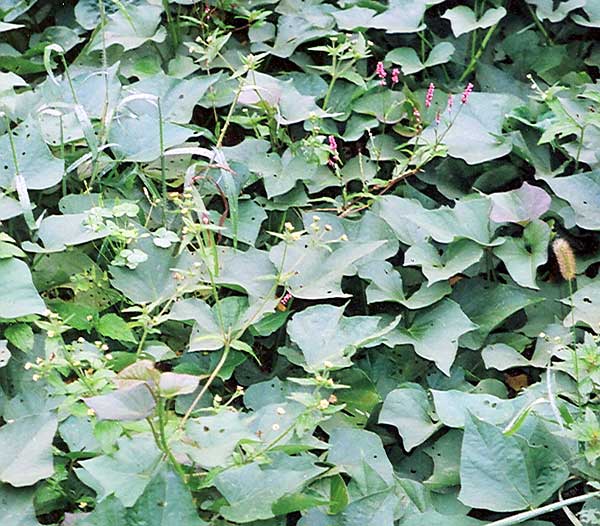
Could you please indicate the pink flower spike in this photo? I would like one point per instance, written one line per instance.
(429, 96)
(465, 96)
(395, 76)
(380, 70)
(417, 114)
(438, 118)
(382, 82)
(333, 144)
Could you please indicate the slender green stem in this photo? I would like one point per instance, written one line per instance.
(104, 66)
(229, 116)
(579, 148)
(477, 55)
(142, 340)
(163, 161)
(208, 383)
(549, 508)
(62, 155)
(162, 423)
(539, 25)
(331, 82)
(573, 345)
(20, 183)
(172, 25)
(474, 32)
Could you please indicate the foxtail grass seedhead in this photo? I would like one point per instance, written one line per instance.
(565, 257)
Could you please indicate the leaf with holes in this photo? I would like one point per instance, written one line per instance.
(585, 306)
(522, 256)
(582, 192)
(34, 160)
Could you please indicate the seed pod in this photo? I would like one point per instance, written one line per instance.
(565, 257)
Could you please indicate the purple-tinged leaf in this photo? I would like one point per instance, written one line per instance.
(139, 372)
(174, 384)
(133, 403)
(522, 205)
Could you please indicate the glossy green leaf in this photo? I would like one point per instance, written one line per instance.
(114, 327)
(215, 437)
(351, 449)
(475, 135)
(488, 305)
(35, 162)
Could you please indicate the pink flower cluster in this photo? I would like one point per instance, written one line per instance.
(381, 73)
(332, 144)
(333, 147)
(465, 95)
(395, 76)
(429, 96)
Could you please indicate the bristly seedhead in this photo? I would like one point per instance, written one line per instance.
(565, 257)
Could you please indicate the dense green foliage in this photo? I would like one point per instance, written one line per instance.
(299, 262)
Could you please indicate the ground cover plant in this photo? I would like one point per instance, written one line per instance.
(299, 262)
